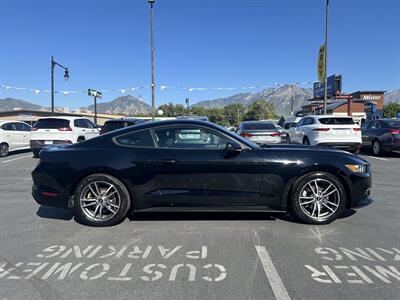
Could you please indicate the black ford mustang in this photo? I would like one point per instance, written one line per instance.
(195, 165)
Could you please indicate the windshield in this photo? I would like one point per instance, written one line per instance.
(392, 123)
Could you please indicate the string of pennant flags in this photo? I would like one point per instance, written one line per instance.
(161, 88)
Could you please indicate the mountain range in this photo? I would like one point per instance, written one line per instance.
(281, 97)
(131, 105)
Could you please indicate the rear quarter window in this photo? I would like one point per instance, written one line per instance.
(336, 121)
(140, 138)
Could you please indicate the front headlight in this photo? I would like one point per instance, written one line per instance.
(360, 169)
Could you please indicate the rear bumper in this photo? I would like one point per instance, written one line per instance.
(47, 191)
(40, 144)
(341, 145)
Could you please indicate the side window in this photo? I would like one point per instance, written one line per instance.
(140, 138)
(26, 127)
(300, 123)
(308, 121)
(7, 127)
(189, 138)
(19, 127)
(373, 125)
(77, 123)
(90, 124)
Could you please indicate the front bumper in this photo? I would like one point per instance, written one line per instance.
(360, 186)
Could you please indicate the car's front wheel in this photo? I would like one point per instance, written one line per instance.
(101, 200)
(318, 198)
(4, 150)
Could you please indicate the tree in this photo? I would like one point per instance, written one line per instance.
(391, 110)
(261, 110)
(173, 110)
(233, 114)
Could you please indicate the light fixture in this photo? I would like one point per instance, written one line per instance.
(66, 75)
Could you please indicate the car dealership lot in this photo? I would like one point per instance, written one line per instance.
(44, 253)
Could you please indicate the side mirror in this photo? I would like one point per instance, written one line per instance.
(233, 147)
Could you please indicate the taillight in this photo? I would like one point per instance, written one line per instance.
(34, 129)
(65, 129)
(357, 129)
(246, 135)
(395, 131)
(276, 134)
(321, 129)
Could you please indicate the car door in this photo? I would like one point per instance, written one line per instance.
(11, 136)
(365, 128)
(23, 132)
(297, 132)
(92, 130)
(194, 167)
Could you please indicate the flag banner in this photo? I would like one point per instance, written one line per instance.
(321, 64)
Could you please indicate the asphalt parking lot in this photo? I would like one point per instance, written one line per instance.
(46, 254)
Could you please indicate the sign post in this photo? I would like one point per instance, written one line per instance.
(95, 94)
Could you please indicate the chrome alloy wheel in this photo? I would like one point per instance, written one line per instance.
(319, 199)
(100, 201)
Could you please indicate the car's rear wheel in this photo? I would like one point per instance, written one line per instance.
(306, 141)
(377, 147)
(101, 200)
(35, 153)
(318, 198)
(4, 150)
(287, 139)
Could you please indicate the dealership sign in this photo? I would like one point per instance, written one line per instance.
(334, 84)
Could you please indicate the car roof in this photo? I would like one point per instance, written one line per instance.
(10, 121)
(125, 119)
(63, 118)
(255, 121)
(326, 116)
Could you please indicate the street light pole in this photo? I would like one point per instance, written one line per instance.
(66, 77)
(153, 109)
(326, 57)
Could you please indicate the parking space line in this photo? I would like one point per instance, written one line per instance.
(379, 158)
(14, 159)
(274, 279)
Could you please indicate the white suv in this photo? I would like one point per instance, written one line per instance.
(327, 130)
(61, 130)
(14, 135)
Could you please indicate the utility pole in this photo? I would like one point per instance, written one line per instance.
(326, 57)
(187, 105)
(292, 106)
(238, 117)
(153, 109)
(95, 94)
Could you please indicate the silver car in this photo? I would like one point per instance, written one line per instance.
(260, 132)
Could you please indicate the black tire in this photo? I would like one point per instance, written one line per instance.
(4, 150)
(356, 151)
(287, 139)
(35, 153)
(124, 201)
(80, 139)
(306, 141)
(299, 211)
(377, 147)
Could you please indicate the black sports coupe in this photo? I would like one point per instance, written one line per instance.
(190, 165)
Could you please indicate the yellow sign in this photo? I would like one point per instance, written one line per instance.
(321, 64)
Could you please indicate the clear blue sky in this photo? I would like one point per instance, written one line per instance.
(199, 43)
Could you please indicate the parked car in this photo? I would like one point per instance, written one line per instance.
(14, 135)
(327, 130)
(111, 125)
(381, 135)
(48, 132)
(187, 165)
(260, 132)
